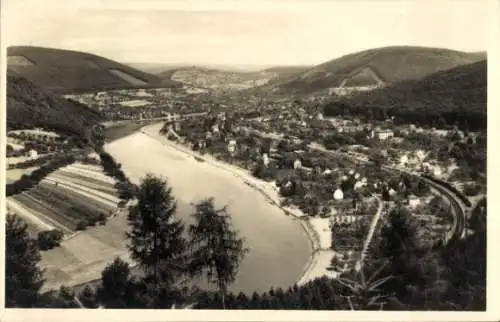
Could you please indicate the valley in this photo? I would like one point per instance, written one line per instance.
(317, 165)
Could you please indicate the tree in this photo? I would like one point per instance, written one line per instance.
(156, 241)
(88, 298)
(399, 245)
(9, 150)
(66, 298)
(364, 293)
(217, 250)
(117, 288)
(23, 277)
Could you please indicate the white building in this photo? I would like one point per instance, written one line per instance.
(231, 146)
(413, 201)
(265, 159)
(297, 164)
(382, 134)
(403, 160)
(33, 154)
(338, 194)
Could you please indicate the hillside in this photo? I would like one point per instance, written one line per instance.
(375, 67)
(29, 106)
(65, 70)
(458, 95)
(216, 78)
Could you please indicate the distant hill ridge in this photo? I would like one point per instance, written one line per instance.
(387, 65)
(66, 70)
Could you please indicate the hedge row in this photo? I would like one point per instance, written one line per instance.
(29, 181)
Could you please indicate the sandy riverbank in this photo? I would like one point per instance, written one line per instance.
(316, 229)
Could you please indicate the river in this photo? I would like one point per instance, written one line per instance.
(279, 248)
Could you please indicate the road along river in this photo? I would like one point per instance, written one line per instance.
(279, 248)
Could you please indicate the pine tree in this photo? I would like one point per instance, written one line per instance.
(399, 245)
(23, 277)
(88, 298)
(217, 250)
(156, 241)
(116, 289)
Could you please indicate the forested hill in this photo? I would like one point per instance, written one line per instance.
(29, 106)
(67, 70)
(378, 66)
(453, 97)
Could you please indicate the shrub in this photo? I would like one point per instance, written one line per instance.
(102, 218)
(49, 239)
(82, 224)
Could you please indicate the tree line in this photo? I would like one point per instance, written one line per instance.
(29, 181)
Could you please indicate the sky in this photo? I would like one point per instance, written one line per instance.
(241, 32)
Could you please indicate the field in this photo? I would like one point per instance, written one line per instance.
(66, 198)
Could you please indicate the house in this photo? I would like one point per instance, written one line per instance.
(413, 201)
(297, 164)
(358, 185)
(33, 154)
(265, 159)
(382, 134)
(403, 160)
(338, 194)
(231, 146)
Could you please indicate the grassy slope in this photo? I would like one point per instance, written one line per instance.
(65, 70)
(391, 64)
(28, 106)
(459, 92)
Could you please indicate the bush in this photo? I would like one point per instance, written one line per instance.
(82, 224)
(49, 239)
(88, 298)
(102, 218)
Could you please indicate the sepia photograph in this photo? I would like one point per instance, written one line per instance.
(245, 155)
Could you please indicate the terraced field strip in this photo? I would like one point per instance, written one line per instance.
(75, 197)
(32, 218)
(52, 208)
(88, 176)
(85, 183)
(70, 208)
(90, 172)
(45, 212)
(88, 192)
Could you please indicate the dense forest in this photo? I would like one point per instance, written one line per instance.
(29, 106)
(452, 97)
